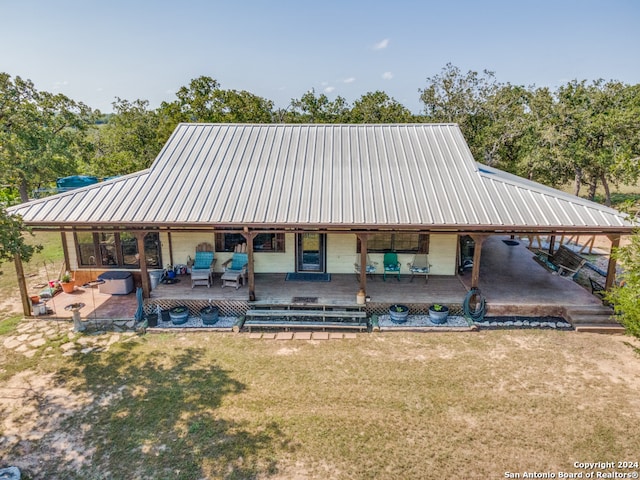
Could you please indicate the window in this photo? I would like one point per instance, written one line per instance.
(397, 242)
(108, 249)
(263, 242)
(86, 248)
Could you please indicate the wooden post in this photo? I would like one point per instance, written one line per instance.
(65, 251)
(552, 244)
(142, 260)
(170, 249)
(611, 266)
(477, 252)
(22, 285)
(363, 261)
(250, 272)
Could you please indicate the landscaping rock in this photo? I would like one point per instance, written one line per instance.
(11, 342)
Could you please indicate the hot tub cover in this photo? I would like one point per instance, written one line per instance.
(114, 275)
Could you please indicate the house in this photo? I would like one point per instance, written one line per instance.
(308, 198)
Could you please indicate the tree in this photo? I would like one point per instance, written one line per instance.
(491, 115)
(128, 142)
(312, 108)
(41, 134)
(378, 107)
(204, 101)
(12, 239)
(452, 97)
(596, 130)
(626, 296)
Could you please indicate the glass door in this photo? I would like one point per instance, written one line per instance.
(311, 252)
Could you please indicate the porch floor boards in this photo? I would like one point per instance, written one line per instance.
(272, 288)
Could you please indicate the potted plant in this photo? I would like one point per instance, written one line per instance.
(209, 315)
(438, 313)
(398, 313)
(179, 315)
(67, 283)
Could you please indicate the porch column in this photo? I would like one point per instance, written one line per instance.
(250, 272)
(170, 248)
(142, 259)
(22, 285)
(363, 260)
(65, 251)
(552, 244)
(477, 252)
(611, 266)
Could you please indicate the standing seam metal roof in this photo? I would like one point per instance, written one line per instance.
(408, 175)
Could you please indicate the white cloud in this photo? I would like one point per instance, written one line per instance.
(349, 80)
(329, 89)
(59, 84)
(387, 76)
(381, 45)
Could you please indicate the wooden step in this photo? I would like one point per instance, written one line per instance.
(593, 319)
(588, 319)
(589, 309)
(600, 328)
(293, 325)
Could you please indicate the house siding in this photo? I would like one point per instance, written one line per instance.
(341, 253)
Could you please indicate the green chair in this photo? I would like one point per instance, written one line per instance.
(391, 265)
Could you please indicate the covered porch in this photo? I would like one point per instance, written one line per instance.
(511, 281)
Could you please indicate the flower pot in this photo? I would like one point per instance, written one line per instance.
(398, 313)
(68, 287)
(209, 315)
(438, 316)
(152, 319)
(179, 315)
(164, 315)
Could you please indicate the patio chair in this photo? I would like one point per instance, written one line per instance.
(202, 267)
(235, 270)
(419, 266)
(370, 268)
(391, 265)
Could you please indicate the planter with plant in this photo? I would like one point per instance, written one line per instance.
(398, 313)
(67, 283)
(438, 313)
(209, 315)
(179, 315)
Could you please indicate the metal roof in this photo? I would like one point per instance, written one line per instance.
(277, 175)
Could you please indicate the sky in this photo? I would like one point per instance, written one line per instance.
(94, 51)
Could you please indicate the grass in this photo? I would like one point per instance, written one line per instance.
(383, 406)
(44, 266)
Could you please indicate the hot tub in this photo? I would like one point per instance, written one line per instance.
(116, 283)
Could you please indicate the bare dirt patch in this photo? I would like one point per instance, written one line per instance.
(33, 409)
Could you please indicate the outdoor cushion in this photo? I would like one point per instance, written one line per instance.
(239, 261)
(203, 260)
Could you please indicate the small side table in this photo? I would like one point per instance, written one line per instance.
(231, 279)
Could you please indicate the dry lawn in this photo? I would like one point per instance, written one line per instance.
(381, 406)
